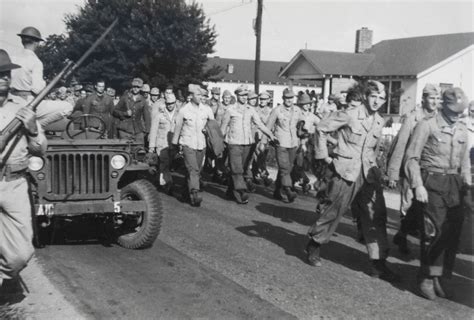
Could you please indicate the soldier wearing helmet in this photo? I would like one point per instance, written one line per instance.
(27, 81)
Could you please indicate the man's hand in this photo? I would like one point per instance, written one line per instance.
(392, 184)
(129, 113)
(28, 118)
(421, 194)
(328, 160)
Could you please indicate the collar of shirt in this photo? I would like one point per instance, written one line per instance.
(14, 99)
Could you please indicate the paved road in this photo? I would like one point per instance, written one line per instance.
(230, 261)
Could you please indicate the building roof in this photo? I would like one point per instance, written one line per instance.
(411, 56)
(338, 63)
(243, 70)
(396, 57)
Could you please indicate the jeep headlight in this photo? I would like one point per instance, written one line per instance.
(35, 163)
(118, 162)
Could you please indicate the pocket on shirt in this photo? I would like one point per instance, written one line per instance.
(355, 137)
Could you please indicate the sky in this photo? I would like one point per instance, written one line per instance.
(288, 26)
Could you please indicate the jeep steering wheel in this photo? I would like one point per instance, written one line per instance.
(86, 126)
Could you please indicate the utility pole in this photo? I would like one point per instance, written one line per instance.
(258, 34)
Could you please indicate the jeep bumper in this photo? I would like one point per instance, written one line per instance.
(89, 207)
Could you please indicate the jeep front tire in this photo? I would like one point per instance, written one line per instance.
(140, 229)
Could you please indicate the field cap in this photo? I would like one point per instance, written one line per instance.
(455, 100)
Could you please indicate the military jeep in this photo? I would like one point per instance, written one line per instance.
(84, 174)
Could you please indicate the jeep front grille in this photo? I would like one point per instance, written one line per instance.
(75, 173)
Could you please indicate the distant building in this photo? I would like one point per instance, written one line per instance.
(403, 65)
(238, 71)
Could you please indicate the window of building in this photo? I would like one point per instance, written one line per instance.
(394, 92)
(270, 92)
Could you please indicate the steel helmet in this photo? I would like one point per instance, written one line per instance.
(31, 32)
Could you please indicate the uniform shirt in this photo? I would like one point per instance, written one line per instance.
(325, 109)
(282, 121)
(310, 121)
(357, 142)
(221, 112)
(214, 104)
(136, 122)
(399, 144)
(190, 122)
(162, 128)
(30, 76)
(18, 159)
(237, 124)
(436, 145)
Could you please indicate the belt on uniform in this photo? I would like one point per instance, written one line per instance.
(21, 93)
(8, 175)
(441, 170)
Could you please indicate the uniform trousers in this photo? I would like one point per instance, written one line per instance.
(193, 161)
(442, 223)
(285, 159)
(239, 160)
(16, 230)
(166, 155)
(369, 203)
(259, 163)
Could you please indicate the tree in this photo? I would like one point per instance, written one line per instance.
(161, 41)
(53, 55)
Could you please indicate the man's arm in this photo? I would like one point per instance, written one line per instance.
(398, 149)
(155, 121)
(259, 123)
(177, 128)
(120, 110)
(412, 159)
(272, 119)
(225, 121)
(37, 81)
(333, 122)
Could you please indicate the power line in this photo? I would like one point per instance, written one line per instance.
(229, 8)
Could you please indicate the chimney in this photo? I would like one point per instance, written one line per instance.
(230, 68)
(363, 40)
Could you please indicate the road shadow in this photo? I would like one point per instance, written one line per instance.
(294, 244)
(287, 214)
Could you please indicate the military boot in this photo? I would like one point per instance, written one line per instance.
(380, 270)
(439, 290)
(291, 195)
(195, 199)
(426, 287)
(313, 253)
(400, 240)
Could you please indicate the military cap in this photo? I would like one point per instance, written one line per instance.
(31, 32)
(253, 95)
(145, 88)
(77, 87)
(194, 88)
(288, 93)
(216, 90)
(137, 82)
(111, 92)
(226, 93)
(332, 97)
(154, 91)
(455, 100)
(242, 90)
(303, 99)
(204, 92)
(89, 88)
(375, 86)
(264, 95)
(5, 62)
(430, 89)
(62, 90)
(170, 99)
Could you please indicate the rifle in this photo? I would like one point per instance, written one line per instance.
(14, 127)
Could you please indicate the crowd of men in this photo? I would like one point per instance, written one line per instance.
(231, 135)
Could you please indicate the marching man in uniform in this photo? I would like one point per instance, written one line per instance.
(354, 176)
(438, 168)
(189, 133)
(16, 232)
